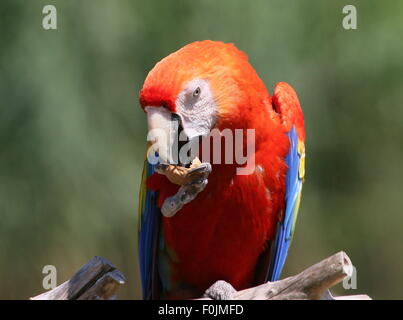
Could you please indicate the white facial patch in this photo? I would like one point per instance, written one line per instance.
(197, 108)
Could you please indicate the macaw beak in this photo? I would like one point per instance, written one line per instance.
(163, 132)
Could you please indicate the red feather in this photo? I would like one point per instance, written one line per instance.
(222, 233)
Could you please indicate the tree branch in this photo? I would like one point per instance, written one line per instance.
(311, 284)
(99, 279)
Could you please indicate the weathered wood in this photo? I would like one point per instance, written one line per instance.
(311, 284)
(353, 297)
(98, 279)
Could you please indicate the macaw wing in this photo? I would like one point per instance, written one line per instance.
(148, 237)
(286, 102)
(286, 226)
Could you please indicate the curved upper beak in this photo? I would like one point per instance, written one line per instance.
(163, 131)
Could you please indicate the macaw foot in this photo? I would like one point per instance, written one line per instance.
(220, 290)
(196, 181)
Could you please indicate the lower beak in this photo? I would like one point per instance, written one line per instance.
(163, 129)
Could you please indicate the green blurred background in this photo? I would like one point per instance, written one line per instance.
(72, 135)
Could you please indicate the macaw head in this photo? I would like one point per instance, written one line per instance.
(204, 85)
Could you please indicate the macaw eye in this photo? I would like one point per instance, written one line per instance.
(196, 93)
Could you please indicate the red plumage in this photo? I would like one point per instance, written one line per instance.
(223, 232)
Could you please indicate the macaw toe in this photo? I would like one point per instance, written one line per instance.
(188, 192)
(220, 290)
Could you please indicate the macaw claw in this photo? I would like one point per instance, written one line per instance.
(220, 290)
(201, 172)
(196, 181)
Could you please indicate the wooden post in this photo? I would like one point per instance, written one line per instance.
(96, 280)
(311, 284)
(99, 279)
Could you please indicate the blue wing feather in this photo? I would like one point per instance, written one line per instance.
(149, 225)
(285, 227)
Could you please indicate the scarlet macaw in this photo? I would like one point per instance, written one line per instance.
(239, 228)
